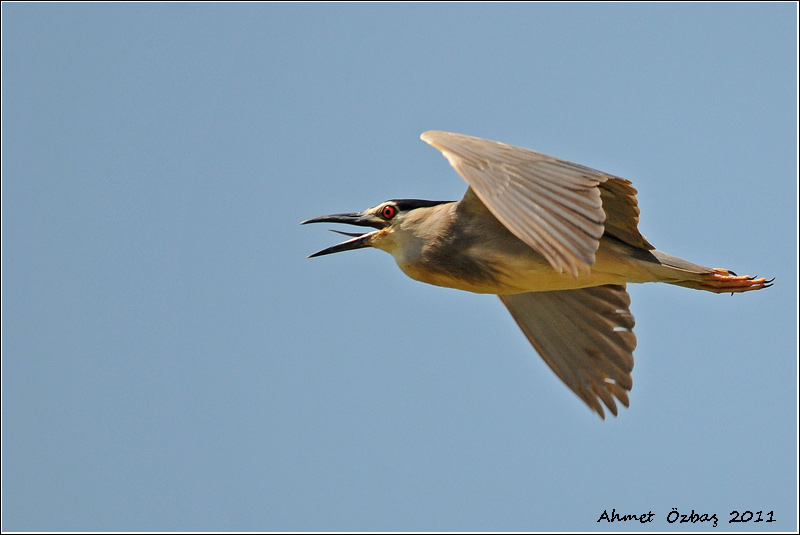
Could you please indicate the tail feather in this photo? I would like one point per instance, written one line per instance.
(718, 280)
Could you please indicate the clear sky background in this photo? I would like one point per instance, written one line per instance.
(172, 361)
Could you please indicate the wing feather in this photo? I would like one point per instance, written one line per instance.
(622, 212)
(559, 208)
(585, 336)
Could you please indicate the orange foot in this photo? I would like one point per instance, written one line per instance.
(722, 281)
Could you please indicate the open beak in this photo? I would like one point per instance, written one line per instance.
(358, 241)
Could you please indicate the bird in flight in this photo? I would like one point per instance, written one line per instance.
(554, 240)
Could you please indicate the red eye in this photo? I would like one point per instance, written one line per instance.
(388, 212)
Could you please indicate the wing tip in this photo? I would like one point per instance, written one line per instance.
(432, 137)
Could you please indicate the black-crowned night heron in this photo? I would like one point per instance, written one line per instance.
(556, 241)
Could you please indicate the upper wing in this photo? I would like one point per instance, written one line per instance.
(585, 336)
(553, 205)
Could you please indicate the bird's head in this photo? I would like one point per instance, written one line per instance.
(390, 218)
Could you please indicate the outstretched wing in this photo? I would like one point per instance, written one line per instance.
(553, 205)
(585, 336)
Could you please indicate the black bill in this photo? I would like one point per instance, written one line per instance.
(358, 241)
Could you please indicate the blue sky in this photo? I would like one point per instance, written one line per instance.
(172, 361)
